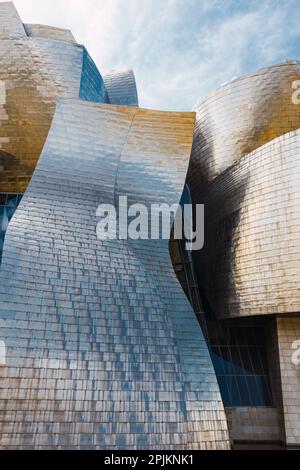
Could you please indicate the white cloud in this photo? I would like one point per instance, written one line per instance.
(179, 49)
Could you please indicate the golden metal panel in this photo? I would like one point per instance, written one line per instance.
(49, 32)
(250, 261)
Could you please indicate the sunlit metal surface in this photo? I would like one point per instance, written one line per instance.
(250, 262)
(49, 32)
(245, 169)
(34, 71)
(103, 348)
(241, 116)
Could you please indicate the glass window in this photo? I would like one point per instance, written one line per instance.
(239, 359)
(8, 205)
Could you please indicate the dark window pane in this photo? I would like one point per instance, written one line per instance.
(247, 359)
(256, 361)
(267, 390)
(256, 390)
(222, 381)
(218, 361)
(234, 395)
(239, 356)
(244, 391)
(236, 360)
(227, 364)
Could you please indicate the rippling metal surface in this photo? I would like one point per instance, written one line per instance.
(103, 348)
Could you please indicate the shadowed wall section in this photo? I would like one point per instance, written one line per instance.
(103, 349)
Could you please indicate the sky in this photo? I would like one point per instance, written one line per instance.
(180, 50)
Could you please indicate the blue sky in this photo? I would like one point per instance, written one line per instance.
(180, 50)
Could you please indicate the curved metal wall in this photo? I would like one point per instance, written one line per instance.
(239, 117)
(252, 248)
(11, 25)
(102, 347)
(34, 71)
(248, 180)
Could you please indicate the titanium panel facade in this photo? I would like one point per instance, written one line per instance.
(239, 117)
(250, 262)
(121, 87)
(251, 258)
(245, 169)
(34, 71)
(99, 346)
(11, 25)
(103, 349)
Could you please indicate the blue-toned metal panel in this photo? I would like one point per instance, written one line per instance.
(121, 87)
(102, 347)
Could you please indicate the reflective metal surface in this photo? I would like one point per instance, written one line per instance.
(250, 263)
(121, 87)
(288, 331)
(100, 347)
(251, 260)
(103, 348)
(49, 32)
(34, 71)
(241, 116)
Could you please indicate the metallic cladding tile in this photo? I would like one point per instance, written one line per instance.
(11, 26)
(121, 87)
(252, 248)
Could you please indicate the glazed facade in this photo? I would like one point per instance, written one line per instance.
(139, 344)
